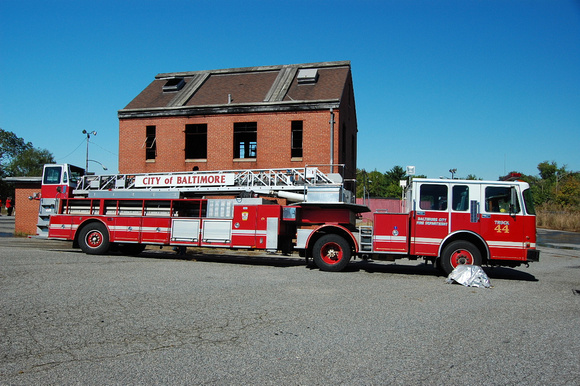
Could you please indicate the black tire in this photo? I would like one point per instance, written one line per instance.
(331, 253)
(131, 249)
(94, 239)
(457, 253)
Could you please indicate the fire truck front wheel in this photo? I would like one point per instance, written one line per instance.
(94, 239)
(459, 252)
(331, 253)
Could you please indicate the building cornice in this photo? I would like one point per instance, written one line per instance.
(232, 108)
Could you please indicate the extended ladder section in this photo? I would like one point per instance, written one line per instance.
(307, 184)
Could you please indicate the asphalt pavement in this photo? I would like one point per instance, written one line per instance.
(232, 318)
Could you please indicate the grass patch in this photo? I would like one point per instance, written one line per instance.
(557, 217)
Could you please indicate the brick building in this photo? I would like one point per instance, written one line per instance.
(25, 208)
(242, 118)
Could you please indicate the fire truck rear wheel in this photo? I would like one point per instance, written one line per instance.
(331, 253)
(94, 239)
(457, 253)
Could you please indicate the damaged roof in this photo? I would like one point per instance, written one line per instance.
(237, 90)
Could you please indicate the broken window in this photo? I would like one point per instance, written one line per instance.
(245, 139)
(297, 139)
(196, 141)
(150, 143)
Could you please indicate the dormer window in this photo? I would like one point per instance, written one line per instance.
(307, 76)
(173, 84)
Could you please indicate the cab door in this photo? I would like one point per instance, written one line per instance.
(465, 216)
(502, 222)
(430, 222)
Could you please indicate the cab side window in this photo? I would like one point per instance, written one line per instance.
(433, 197)
(498, 200)
(460, 198)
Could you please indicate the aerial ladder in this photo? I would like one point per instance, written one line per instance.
(220, 182)
(306, 184)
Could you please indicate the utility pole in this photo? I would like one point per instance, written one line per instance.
(88, 134)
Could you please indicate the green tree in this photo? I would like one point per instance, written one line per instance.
(10, 147)
(548, 170)
(567, 191)
(371, 184)
(29, 162)
(19, 158)
(377, 184)
(394, 177)
(555, 185)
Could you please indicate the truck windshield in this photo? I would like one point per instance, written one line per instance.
(529, 201)
(76, 173)
(52, 175)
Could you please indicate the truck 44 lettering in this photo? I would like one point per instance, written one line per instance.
(504, 229)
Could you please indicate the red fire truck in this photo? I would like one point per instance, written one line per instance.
(447, 222)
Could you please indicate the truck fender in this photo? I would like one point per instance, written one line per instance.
(466, 235)
(85, 222)
(326, 229)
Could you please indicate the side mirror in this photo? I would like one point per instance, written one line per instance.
(513, 201)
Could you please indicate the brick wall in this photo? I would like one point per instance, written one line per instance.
(273, 142)
(25, 210)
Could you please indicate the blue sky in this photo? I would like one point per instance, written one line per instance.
(483, 86)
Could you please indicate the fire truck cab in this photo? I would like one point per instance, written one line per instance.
(452, 222)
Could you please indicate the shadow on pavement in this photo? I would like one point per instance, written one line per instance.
(505, 273)
(261, 259)
(243, 258)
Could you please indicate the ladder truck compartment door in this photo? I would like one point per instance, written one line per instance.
(126, 229)
(216, 233)
(155, 230)
(391, 232)
(244, 229)
(61, 227)
(268, 226)
(185, 231)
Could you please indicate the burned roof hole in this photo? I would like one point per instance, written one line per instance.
(174, 84)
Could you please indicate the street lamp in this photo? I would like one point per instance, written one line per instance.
(88, 133)
(365, 190)
(103, 166)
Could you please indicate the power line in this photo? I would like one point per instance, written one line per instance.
(108, 151)
(68, 155)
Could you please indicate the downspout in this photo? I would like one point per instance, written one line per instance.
(331, 140)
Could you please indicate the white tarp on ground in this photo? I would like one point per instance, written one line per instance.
(469, 276)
